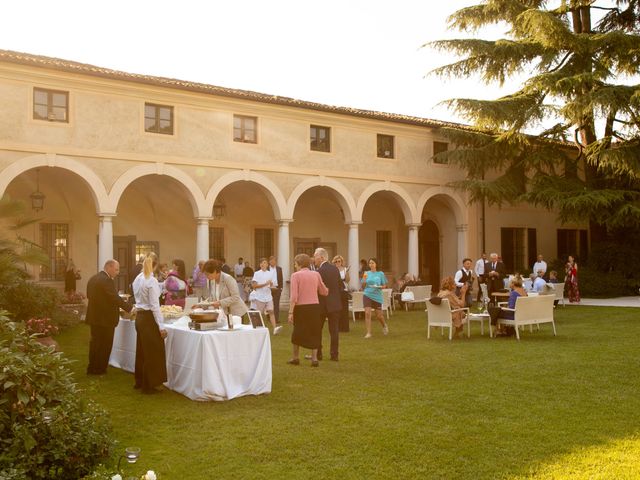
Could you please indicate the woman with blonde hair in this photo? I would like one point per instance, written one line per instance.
(151, 365)
(304, 310)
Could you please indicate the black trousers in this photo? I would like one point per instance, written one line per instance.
(151, 363)
(334, 332)
(100, 349)
(344, 314)
(276, 293)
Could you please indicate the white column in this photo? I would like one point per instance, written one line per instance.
(462, 242)
(413, 260)
(105, 239)
(202, 239)
(353, 259)
(284, 258)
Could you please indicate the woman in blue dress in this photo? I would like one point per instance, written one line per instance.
(373, 282)
(516, 291)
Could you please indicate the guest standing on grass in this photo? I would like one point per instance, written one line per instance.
(373, 282)
(223, 289)
(261, 283)
(151, 364)
(175, 286)
(103, 315)
(304, 310)
(571, 280)
(330, 305)
(338, 261)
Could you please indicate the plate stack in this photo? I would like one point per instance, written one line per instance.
(203, 320)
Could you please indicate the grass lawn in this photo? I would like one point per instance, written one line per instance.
(403, 406)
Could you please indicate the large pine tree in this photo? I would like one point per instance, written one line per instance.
(581, 58)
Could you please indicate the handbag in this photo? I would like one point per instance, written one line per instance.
(407, 296)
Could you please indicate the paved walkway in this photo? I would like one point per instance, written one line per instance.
(609, 302)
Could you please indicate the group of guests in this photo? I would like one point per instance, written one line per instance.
(319, 294)
(458, 288)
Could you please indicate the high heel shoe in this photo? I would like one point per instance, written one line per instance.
(293, 361)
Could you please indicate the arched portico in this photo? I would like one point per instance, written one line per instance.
(401, 196)
(194, 193)
(270, 189)
(96, 187)
(341, 193)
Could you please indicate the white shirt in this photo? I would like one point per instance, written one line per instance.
(542, 265)
(263, 294)
(480, 266)
(147, 294)
(238, 268)
(539, 284)
(458, 276)
(274, 272)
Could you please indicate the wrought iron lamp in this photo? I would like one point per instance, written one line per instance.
(37, 197)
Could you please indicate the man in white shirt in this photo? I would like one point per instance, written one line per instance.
(462, 277)
(480, 273)
(539, 283)
(261, 283)
(540, 265)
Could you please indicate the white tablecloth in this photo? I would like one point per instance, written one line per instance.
(214, 365)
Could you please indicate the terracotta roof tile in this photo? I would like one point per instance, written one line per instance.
(76, 67)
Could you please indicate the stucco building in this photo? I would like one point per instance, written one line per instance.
(129, 163)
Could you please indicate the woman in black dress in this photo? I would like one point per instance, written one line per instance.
(304, 310)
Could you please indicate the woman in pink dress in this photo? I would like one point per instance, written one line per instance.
(175, 286)
(571, 280)
(304, 310)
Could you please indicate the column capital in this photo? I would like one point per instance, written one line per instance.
(462, 227)
(202, 220)
(283, 222)
(105, 215)
(353, 223)
(413, 226)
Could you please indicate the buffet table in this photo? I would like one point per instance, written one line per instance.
(210, 365)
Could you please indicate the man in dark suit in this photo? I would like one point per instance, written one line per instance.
(276, 288)
(494, 273)
(331, 305)
(103, 315)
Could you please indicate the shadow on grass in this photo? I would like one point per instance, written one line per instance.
(403, 406)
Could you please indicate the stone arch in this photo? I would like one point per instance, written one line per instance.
(268, 186)
(343, 196)
(403, 199)
(95, 184)
(454, 201)
(195, 196)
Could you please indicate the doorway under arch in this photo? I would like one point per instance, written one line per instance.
(429, 253)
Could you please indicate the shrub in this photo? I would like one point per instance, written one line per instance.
(73, 298)
(46, 429)
(28, 300)
(42, 326)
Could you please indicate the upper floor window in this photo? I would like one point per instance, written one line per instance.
(385, 146)
(439, 147)
(245, 129)
(51, 105)
(158, 118)
(320, 138)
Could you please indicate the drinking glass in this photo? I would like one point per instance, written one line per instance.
(132, 454)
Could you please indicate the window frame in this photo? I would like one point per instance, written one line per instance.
(212, 248)
(55, 270)
(384, 250)
(243, 129)
(380, 153)
(327, 137)
(260, 252)
(157, 118)
(437, 150)
(49, 105)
